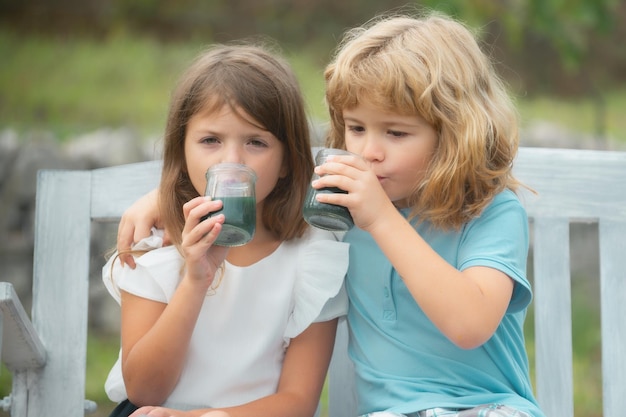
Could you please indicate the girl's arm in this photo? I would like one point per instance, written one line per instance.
(467, 306)
(301, 381)
(155, 336)
(302, 377)
(155, 339)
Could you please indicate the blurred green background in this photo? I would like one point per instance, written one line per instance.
(74, 66)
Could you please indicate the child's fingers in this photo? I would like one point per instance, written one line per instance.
(125, 236)
(346, 165)
(127, 259)
(200, 207)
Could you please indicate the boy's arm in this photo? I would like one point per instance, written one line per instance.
(136, 223)
(467, 306)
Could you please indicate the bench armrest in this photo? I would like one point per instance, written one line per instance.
(21, 346)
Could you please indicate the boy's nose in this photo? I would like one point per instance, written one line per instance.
(372, 150)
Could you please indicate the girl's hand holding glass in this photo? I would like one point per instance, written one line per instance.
(234, 185)
(203, 258)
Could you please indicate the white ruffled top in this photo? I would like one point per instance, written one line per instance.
(236, 352)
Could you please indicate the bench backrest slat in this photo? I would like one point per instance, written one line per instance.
(60, 291)
(553, 320)
(613, 313)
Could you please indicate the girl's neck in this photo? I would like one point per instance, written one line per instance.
(263, 244)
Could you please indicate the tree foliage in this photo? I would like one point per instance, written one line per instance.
(568, 25)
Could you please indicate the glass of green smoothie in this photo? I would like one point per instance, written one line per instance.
(234, 185)
(322, 215)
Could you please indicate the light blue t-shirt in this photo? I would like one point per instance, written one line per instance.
(403, 362)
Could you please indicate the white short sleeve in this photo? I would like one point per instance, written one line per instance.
(156, 275)
(319, 294)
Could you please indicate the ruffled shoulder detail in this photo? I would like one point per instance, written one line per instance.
(319, 293)
(156, 275)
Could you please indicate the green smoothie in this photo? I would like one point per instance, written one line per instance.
(238, 228)
(326, 216)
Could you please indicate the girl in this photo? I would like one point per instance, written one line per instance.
(437, 276)
(247, 330)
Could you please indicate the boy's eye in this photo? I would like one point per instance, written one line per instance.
(396, 133)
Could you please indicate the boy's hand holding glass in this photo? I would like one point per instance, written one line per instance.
(322, 215)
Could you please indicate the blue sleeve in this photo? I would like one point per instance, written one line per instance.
(499, 239)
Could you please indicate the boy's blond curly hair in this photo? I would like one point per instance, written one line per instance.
(433, 67)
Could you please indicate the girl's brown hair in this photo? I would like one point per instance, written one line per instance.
(432, 67)
(249, 78)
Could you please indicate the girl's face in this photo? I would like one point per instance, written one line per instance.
(226, 136)
(398, 148)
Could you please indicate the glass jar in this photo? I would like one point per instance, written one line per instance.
(322, 215)
(234, 185)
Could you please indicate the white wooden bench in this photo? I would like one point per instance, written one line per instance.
(47, 356)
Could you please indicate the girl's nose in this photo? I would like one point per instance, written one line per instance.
(233, 155)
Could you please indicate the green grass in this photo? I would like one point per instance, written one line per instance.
(102, 351)
(70, 86)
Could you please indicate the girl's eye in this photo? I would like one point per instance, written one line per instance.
(257, 143)
(209, 140)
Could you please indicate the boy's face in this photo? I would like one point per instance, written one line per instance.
(398, 148)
